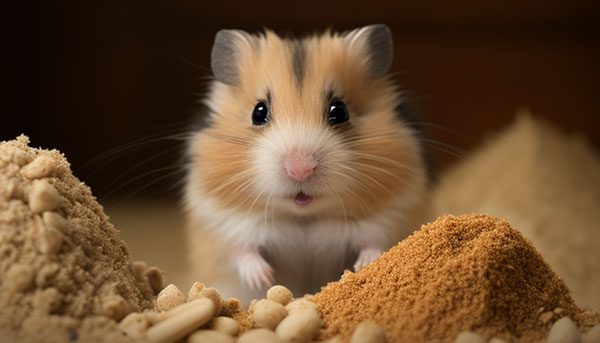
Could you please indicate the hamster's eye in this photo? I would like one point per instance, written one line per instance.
(260, 115)
(338, 113)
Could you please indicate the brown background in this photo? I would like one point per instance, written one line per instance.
(86, 77)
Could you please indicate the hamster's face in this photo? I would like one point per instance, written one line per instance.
(305, 127)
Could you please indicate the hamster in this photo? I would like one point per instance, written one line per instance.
(305, 167)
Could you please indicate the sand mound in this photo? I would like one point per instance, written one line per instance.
(471, 272)
(64, 273)
(547, 185)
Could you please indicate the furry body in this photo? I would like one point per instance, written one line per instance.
(366, 180)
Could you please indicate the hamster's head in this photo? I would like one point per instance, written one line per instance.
(305, 127)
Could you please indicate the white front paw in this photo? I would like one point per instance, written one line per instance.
(254, 271)
(365, 257)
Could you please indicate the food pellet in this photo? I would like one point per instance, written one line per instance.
(43, 197)
(210, 336)
(115, 306)
(55, 220)
(301, 304)
(178, 326)
(280, 294)
(155, 279)
(497, 340)
(49, 239)
(196, 288)
(260, 336)
(368, 332)
(469, 337)
(39, 168)
(134, 325)
(592, 336)
(268, 313)
(179, 309)
(564, 331)
(299, 327)
(225, 325)
(170, 297)
(212, 294)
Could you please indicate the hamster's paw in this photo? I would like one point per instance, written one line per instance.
(365, 257)
(255, 272)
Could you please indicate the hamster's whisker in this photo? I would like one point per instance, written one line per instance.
(387, 161)
(375, 181)
(360, 184)
(446, 148)
(148, 160)
(153, 138)
(154, 171)
(339, 200)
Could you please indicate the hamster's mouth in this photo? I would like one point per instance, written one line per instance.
(302, 199)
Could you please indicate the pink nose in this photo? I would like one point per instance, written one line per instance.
(299, 166)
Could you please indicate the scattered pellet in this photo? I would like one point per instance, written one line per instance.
(592, 335)
(280, 294)
(196, 288)
(48, 239)
(178, 326)
(180, 309)
(564, 331)
(41, 167)
(546, 317)
(260, 336)
(170, 297)
(299, 327)
(54, 220)
(225, 325)
(43, 197)
(114, 306)
(135, 325)
(368, 332)
(301, 304)
(155, 279)
(210, 336)
(212, 294)
(268, 314)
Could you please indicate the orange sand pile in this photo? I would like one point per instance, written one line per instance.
(471, 272)
(64, 273)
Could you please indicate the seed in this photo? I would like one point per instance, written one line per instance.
(280, 294)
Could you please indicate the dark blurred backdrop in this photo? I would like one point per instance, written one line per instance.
(86, 77)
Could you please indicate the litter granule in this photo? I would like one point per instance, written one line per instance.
(64, 273)
(472, 272)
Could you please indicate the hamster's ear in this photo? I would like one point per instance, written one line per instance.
(229, 47)
(376, 43)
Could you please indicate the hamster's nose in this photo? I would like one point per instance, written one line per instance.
(299, 166)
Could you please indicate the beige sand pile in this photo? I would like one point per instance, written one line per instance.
(547, 185)
(471, 272)
(64, 273)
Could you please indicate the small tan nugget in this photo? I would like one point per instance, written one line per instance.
(210, 336)
(268, 314)
(469, 337)
(301, 304)
(212, 294)
(139, 270)
(280, 294)
(43, 197)
(368, 332)
(54, 220)
(564, 331)
(39, 168)
(196, 288)
(155, 279)
(497, 340)
(260, 336)
(225, 325)
(170, 297)
(592, 336)
(49, 239)
(114, 306)
(22, 276)
(299, 327)
(134, 325)
(182, 324)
